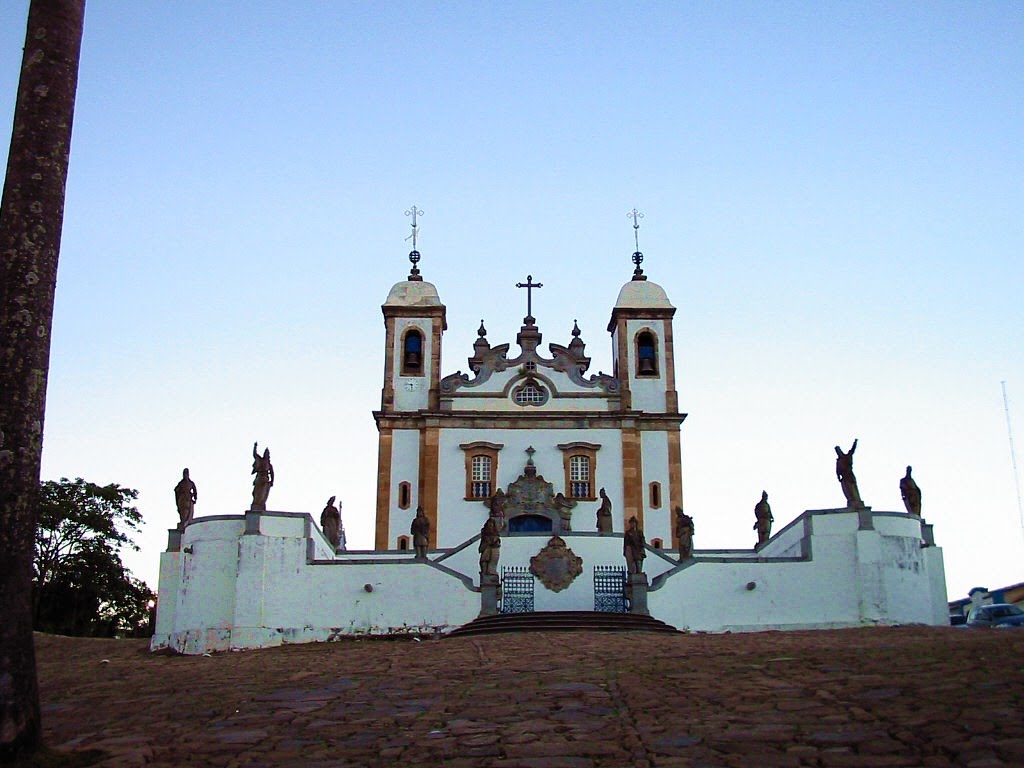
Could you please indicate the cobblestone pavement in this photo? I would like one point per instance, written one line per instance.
(911, 696)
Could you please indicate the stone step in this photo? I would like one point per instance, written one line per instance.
(562, 621)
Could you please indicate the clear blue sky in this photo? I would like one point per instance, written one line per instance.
(832, 196)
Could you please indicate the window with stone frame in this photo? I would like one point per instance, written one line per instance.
(412, 353)
(580, 464)
(646, 354)
(404, 495)
(655, 494)
(481, 469)
(403, 543)
(530, 392)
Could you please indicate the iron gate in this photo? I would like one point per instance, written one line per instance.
(516, 589)
(609, 589)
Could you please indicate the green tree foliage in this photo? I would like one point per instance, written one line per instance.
(81, 586)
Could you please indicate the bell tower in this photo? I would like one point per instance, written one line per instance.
(644, 364)
(641, 329)
(414, 321)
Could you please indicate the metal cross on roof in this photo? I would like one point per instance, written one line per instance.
(414, 255)
(638, 258)
(529, 285)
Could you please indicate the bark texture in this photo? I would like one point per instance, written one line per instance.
(31, 216)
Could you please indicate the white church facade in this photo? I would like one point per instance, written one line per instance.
(530, 460)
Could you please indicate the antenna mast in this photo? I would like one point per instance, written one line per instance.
(1013, 456)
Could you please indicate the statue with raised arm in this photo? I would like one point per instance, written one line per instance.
(490, 548)
(185, 497)
(330, 523)
(763, 519)
(420, 530)
(264, 480)
(633, 547)
(911, 494)
(684, 532)
(844, 472)
(604, 514)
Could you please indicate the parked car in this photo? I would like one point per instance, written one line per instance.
(1002, 615)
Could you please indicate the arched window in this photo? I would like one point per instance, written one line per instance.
(646, 354)
(403, 543)
(412, 353)
(404, 495)
(657, 543)
(655, 495)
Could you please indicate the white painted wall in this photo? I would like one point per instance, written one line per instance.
(657, 522)
(648, 393)
(405, 467)
(232, 589)
(411, 392)
(459, 519)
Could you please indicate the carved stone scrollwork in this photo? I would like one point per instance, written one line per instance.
(556, 565)
(486, 362)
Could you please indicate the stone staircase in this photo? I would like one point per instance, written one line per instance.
(562, 621)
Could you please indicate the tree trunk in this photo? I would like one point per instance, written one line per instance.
(31, 216)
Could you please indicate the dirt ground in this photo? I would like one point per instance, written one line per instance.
(909, 696)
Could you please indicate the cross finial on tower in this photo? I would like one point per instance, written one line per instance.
(414, 255)
(529, 285)
(638, 258)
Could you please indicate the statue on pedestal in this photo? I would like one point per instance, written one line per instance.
(604, 514)
(185, 497)
(330, 523)
(633, 547)
(911, 494)
(684, 532)
(497, 507)
(844, 472)
(420, 530)
(264, 480)
(764, 519)
(490, 545)
(564, 507)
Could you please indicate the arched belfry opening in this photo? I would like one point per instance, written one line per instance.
(412, 353)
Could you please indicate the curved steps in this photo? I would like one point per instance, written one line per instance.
(562, 621)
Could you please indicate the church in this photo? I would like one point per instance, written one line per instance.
(529, 484)
(452, 443)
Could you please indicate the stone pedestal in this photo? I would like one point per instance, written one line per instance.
(928, 534)
(174, 539)
(864, 519)
(636, 593)
(490, 587)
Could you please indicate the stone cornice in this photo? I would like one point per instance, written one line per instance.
(644, 422)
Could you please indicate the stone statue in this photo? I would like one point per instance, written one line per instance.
(420, 530)
(911, 494)
(564, 507)
(844, 471)
(497, 507)
(330, 523)
(264, 480)
(490, 545)
(633, 544)
(684, 532)
(185, 496)
(763, 515)
(604, 514)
